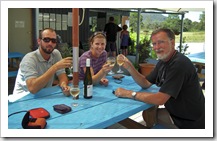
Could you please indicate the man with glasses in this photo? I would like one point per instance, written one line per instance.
(39, 68)
(180, 90)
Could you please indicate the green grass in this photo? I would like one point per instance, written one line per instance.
(190, 37)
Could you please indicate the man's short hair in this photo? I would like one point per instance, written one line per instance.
(41, 32)
(111, 19)
(168, 31)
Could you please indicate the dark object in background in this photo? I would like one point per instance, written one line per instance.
(203, 85)
(59, 39)
(119, 76)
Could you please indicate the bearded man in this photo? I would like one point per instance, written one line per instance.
(180, 91)
(39, 68)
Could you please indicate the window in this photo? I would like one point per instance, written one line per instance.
(53, 20)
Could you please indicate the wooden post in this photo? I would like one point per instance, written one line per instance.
(75, 44)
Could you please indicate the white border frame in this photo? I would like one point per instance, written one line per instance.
(208, 132)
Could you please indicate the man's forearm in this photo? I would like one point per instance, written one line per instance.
(63, 80)
(36, 84)
(144, 83)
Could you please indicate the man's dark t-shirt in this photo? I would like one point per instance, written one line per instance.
(111, 30)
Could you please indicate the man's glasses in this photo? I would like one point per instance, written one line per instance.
(159, 42)
(47, 40)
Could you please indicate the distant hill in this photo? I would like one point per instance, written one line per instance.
(153, 17)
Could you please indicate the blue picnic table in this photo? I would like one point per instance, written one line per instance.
(103, 110)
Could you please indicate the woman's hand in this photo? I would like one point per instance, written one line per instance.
(104, 82)
(106, 68)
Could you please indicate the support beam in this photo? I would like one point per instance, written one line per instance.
(75, 44)
(138, 35)
(181, 31)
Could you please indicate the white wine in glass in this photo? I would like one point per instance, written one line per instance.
(74, 91)
(111, 62)
(120, 62)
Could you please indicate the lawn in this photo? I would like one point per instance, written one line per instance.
(190, 37)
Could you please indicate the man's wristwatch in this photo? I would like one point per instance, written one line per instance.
(134, 95)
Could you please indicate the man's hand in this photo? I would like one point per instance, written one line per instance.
(127, 64)
(65, 89)
(64, 63)
(120, 92)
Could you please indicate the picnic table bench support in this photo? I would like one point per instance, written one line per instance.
(149, 116)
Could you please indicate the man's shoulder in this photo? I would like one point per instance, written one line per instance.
(56, 51)
(182, 58)
(30, 55)
(111, 24)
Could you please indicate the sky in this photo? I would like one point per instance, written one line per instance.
(193, 16)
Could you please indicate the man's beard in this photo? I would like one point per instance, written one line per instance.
(164, 56)
(47, 51)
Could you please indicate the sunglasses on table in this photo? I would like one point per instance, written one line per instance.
(47, 40)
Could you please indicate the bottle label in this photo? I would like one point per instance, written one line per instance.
(89, 90)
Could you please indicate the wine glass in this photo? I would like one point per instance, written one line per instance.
(120, 62)
(74, 91)
(111, 62)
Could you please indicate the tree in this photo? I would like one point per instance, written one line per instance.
(147, 22)
(187, 25)
(133, 22)
(194, 27)
(202, 22)
(173, 22)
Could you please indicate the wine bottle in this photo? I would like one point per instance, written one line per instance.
(88, 84)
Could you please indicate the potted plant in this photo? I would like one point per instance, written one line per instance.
(145, 52)
(66, 51)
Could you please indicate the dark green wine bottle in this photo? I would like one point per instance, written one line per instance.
(88, 84)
